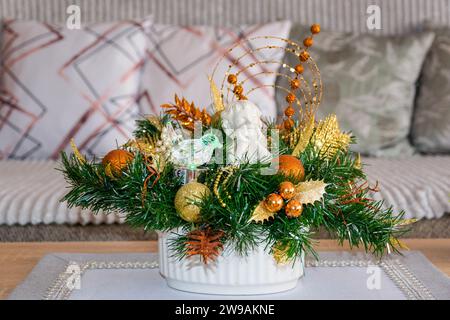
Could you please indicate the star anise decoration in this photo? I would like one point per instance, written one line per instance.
(205, 242)
(186, 113)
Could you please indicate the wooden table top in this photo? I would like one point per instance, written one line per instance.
(18, 259)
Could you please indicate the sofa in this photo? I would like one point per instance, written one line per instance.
(412, 179)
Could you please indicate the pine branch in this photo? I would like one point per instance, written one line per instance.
(347, 211)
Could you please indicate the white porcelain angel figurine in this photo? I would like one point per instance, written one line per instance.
(241, 121)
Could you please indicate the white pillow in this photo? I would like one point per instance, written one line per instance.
(60, 83)
(180, 59)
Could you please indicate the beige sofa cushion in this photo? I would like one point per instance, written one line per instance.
(369, 82)
(431, 124)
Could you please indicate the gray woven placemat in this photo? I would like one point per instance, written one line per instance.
(411, 273)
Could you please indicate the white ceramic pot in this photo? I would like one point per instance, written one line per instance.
(230, 274)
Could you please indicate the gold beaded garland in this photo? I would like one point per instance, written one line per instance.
(228, 172)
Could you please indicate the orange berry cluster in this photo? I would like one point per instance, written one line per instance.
(295, 83)
(275, 201)
(238, 90)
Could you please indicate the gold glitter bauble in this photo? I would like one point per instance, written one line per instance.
(187, 198)
(286, 190)
(274, 202)
(117, 160)
(294, 209)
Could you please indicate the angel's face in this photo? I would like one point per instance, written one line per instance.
(241, 117)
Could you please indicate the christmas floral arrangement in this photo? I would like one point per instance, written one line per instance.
(227, 178)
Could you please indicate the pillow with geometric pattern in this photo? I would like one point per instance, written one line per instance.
(58, 84)
(180, 59)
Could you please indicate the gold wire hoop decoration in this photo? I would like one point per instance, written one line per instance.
(309, 92)
(278, 74)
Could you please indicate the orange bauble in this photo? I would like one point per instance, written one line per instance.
(238, 90)
(288, 124)
(274, 202)
(290, 98)
(308, 42)
(286, 190)
(117, 160)
(289, 111)
(294, 209)
(315, 28)
(291, 166)
(304, 56)
(232, 79)
(295, 83)
(299, 68)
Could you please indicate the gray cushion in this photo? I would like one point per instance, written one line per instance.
(369, 82)
(431, 124)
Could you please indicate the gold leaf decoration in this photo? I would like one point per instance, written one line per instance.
(261, 214)
(305, 137)
(279, 253)
(406, 222)
(187, 113)
(109, 172)
(358, 164)
(147, 146)
(328, 138)
(156, 121)
(310, 191)
(397, 243)
(76, 152)
(217, 96)
(159, 162)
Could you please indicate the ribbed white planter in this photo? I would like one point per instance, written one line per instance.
(230, 274)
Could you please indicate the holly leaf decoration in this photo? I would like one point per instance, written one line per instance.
(310, 191)
(261, 214)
